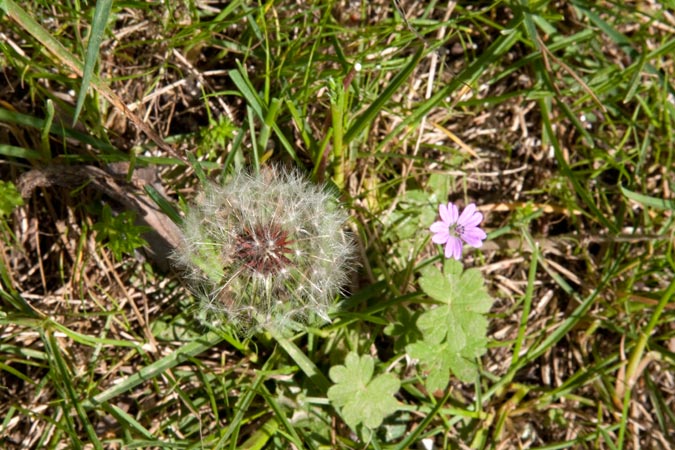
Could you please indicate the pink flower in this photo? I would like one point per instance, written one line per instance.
(454, 228)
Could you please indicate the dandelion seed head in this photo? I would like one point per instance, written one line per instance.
(265, 250)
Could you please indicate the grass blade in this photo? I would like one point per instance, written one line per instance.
(66, 379)
(241, 80)
(468, 76)
(180, 355)
(565, 169)
(98, 26)
(646, 200)
(306, 365)
(163, 204)
(62, 54)
(19, 152)
(56, 129)
(366, 118)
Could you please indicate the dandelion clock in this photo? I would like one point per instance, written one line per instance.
(265, 250)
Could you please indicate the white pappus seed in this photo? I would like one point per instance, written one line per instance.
(265, 250)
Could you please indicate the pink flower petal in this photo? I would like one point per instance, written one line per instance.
(453, 249)
(474, 220)
(454, 213)
(439, 227)
(444, 213)
(448, 213)
(466, 214)
(440, 238)
(474, 237)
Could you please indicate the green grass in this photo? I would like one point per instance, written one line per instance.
(558, 123)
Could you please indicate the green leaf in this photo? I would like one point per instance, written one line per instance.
(167, 207)
(119, 233)
(466, 289)
(453, 332)
(437, 286)
(403, 328)
(363, 399)
(440, 360)
(9, 198)
(436, 363)
(302, 360)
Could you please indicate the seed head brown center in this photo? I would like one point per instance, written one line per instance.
(263, 248)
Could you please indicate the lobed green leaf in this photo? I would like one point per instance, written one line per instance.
(363, 399)
(454, 332)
